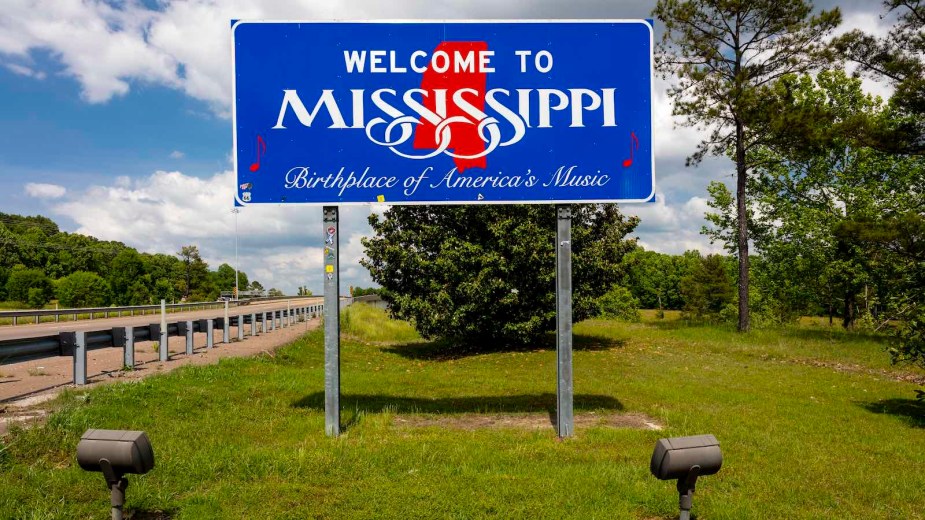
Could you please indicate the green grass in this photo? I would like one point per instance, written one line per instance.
(802, 438)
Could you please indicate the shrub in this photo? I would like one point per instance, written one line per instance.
(485, 275)
(83, 289)
(619, 303)
(21, 282)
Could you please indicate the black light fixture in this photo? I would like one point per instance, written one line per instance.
(115, 453)
(685, 459)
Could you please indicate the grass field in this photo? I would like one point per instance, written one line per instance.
(813, 422)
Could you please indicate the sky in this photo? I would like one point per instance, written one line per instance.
(115, 122)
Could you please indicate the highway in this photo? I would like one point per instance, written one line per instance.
(48, 329)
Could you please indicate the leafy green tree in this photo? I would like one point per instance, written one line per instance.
(654, 278)
(163, 290)
(619, 303)
(274, 292)
(4, 276)
(127, 268)
(708, 289)
(826, 222)
(223, 277)
(724, 54)
(21, 281)
(83, 289)
(194, 273)
(139, 294)
(36, 298)
(486, 274)
(256, 286)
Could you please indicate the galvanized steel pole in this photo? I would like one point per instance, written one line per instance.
(564, 411)
(128, 353)
(330, 233)
(162, 347)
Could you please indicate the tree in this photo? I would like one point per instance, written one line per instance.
(21, 281)
(223, 277)
(138, 294)
(485, 275)
(708, 289)
(899, 58)
(163, 290)
(304, 291)
(127, 268)
(256, 286)
(654, 278)
(831, 224)
(83, 289)
(724, 54)
(274, 292)
(619, 303)
(194, 272)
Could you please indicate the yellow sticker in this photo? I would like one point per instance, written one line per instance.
(329, 268)
(380, 198)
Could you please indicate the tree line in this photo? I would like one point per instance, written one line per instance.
(829, 180)
(39, 263)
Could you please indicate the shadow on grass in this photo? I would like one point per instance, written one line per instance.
(828, 334)
(910, 410)
(141, 514)
(356, 404)
(446, 350)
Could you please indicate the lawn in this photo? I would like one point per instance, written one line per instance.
(813, 422)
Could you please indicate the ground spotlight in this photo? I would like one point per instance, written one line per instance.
(115, 453)
(684, 459)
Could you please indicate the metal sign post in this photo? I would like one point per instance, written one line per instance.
(331, 322)
(564, 409)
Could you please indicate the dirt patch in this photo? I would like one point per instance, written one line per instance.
(850, 368)
(525, 421)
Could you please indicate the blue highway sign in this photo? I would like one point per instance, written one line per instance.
(443, 112)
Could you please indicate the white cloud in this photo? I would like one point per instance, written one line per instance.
(177, 154)
(45, 191)
(281, 246)
(23, 70)
(672, 228)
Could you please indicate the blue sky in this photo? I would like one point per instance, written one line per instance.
(114, 122)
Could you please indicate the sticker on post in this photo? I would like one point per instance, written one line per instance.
(330, 238)
(329, 268)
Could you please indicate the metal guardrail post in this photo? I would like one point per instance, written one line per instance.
(240, 327)
(128, 353)
(263, 323)
(209, 329)
(162, 346)
(80, 358)
(253, 324)
(272, 320)
(226, 331)
(189, 338)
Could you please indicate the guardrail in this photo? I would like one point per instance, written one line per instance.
(77, 343)
(131, 310)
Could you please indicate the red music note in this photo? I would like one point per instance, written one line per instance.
(261, 149)
(634, 144)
